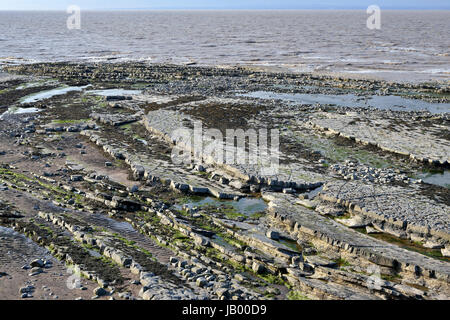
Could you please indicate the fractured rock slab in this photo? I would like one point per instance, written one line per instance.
(412, 141)
(307, 223)
(397, 210)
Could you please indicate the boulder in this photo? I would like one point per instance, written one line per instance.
(258, 268)
(201, 282)
(121, 259)
(223, 292)
(35, 271)
(274, 235)
(99, 291)
(37, 263)
(201, 241)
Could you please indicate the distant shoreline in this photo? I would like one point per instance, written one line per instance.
(377, 76)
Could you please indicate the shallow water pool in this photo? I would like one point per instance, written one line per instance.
(114, 92)
(17, 110)
(441, 178)
(50, 93)
(245, 206)
(394, 103)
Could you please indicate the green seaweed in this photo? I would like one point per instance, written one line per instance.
(296, 295)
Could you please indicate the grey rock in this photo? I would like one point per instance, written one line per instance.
(274, 235)
(134, 189)
(27, 289)
(35, 271)
(201, 282)
(258, 267)
(37, 263)
(99, 291)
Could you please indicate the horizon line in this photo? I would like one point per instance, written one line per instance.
(237, 9)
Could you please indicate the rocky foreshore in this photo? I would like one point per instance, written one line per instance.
(93, 205)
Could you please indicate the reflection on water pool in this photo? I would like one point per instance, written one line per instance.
(245, 206)
(391, 102)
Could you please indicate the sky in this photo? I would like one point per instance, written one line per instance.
(224, 4)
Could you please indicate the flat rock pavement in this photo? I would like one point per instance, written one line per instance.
(382, 253)
(406, 209)
(418, 142)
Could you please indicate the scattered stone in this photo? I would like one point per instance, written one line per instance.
(258, 267)
(273, 291)
(371, 230)
(99, 291)
(27, 289)
(239, 277)
(37, 263)
(319, 261)
(223, 292)
(35, 271)
(274, 235)
(201, 282)
(76, 178)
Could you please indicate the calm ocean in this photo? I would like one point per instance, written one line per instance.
(411, 45)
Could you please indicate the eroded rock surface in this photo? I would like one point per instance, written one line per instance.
(357, 208)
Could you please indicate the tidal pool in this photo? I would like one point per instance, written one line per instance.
(17, 110)
(292, 245)
(50, 93)
(391, 102)
(244, 206)
(114, 92)
(441, 178)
